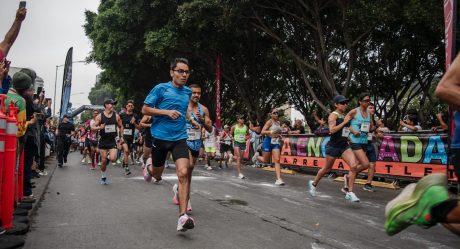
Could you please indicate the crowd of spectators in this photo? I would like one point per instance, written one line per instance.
(34, 112)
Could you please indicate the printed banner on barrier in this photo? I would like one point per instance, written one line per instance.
(398, 154)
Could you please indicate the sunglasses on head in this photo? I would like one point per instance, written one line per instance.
(366, 100)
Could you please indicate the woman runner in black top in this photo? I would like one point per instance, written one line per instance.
(338, 143)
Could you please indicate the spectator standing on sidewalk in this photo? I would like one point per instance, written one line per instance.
(32, 138)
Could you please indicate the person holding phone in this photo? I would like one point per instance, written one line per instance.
(13, 33)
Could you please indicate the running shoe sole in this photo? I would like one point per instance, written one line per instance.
(279, 183)
(189, 224)
(432, 187)
(369, 189)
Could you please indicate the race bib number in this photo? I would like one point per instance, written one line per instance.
(210, 144)
(365, 127)
(110, 128)
(369, 136)
(228, 142)
(128, 132)
(275, 140)
(193, 134)
(345, 132)
(239, 138)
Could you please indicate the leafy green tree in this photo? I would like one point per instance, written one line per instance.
(273, 52)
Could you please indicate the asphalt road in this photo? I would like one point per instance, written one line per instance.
(78, 212)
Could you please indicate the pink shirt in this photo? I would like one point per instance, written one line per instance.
(92, 135)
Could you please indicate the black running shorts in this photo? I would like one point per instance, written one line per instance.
(148, 141)
(160, 149)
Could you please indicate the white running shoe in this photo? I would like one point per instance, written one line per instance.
(241, 176)
(311, 188)
(351, 197)
(279, 182)
(208, 168)
(185, 222)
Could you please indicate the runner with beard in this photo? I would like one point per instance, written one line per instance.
(130, 123)
(200, 115)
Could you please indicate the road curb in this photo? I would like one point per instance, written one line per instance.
(40, 191)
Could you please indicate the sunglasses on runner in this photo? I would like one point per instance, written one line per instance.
(366, 100)
(275, 113)
(181, 72)
(343, 103)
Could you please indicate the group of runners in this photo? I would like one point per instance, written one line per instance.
(353, 140)
(175, 124)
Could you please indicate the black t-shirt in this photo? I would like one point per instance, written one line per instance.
(301, 129)
(126, 121)
(65, 128)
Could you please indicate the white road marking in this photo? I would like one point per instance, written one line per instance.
(174, 177)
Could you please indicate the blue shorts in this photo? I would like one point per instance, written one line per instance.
(195, 145)
(267, 145)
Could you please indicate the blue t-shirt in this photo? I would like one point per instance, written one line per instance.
(5, 85)
(165, 96)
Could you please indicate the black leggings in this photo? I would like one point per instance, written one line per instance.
(63, 147)
(30, 151)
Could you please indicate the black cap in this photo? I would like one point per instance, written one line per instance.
(339, 99)
(110, 101)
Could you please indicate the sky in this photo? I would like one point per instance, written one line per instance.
(51, 27)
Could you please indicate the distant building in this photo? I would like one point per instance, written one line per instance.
(291, 113)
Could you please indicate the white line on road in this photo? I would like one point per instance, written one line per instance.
(174, 177)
